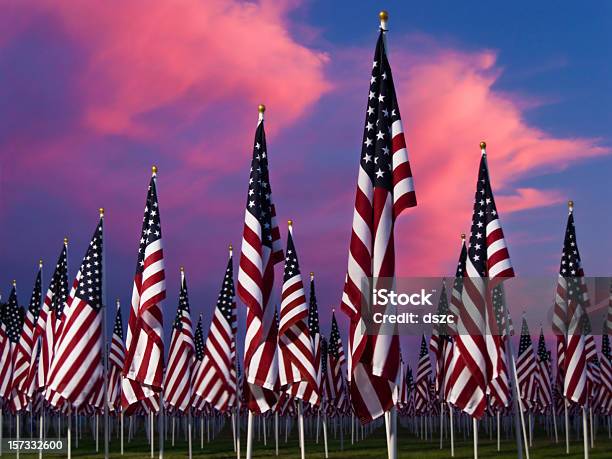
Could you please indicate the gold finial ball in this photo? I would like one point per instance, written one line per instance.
(570, 204)
(261, 108)
(311, 273)
(182, 268)
(483, 145)
(154, 169)
(101, 210)
(40, 262)
(290, 222)
(383, 15)
(14, 283)
(231, 247)
(463, 236)
(65, 240)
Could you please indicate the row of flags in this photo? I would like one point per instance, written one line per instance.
(54, 352)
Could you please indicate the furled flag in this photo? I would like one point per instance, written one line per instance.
(181, 356)
(261, 250)
(296, 364)
(198, 340)
(487, 264)
(403, 390)
(13, 317)
(570, 302)
(216, 380)
(604, 401)
(499, 386)
(315, 338)
(543, 376)
(77, 361)
(116, 357)
(6, 366)
(526, 368)
(26, 349)
(422, 399)
(440, 342)
(384, 189)
(335, 368)
(144, 359)
(50, 313)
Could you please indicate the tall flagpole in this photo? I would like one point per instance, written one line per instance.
(104, 339)
(510, 356)
(391, 418)
(40, 415)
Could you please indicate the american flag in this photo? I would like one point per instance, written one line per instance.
(181, 356)
(48, 319)
(261, 250)
(335, 369)
(77, 362)
(526, 368)
(12, 319)
(403, 389)
(487, 264)
(25, 354)
(605, 395)
(422, 396)
(543, 376)
(315, 338)
(116, 357)
(216, 380)
(198, 341)
(440, 343)
(296, 364)
(570, 303)
(384, 189)
(144, 360)
(499, 387)
(5, 356)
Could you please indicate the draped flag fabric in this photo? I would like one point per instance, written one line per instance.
(12, 319)
(384, 189)
(297, 372)
(261, 250)
(571, 300)
(440, 343)
(116, 358)
(499, 386)
(181, 356)
(215, 380)
(422, 399)
(26, 350)
(144, 359)
(77, 360)
(543, 376)
(50, 315)
(478, 342)
(526, 368)
(335, 369)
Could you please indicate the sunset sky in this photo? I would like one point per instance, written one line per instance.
(94, 93)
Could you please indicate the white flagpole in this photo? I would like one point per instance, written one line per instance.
(276, 432)
(40, 428)
(475, 431)
(554, 418)
(249, 445)
(301, 429)
(173, 427)
(565, 403)
(189, 432)
(97, 423)
(121, 422)
(105, 347)
(69, 433)
(151, 432)
(498, 431)
(585, 433)
(591, 424)
(325, 435)
(17, 418)
(450, 427)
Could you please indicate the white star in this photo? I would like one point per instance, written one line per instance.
(367, 158)
(380, 135)
(379, 173)
(368, 142)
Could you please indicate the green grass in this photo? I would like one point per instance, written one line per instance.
(372, 447)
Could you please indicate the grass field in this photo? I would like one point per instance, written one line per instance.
(371, 447)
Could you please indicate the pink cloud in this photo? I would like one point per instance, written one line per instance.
(449, 103)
